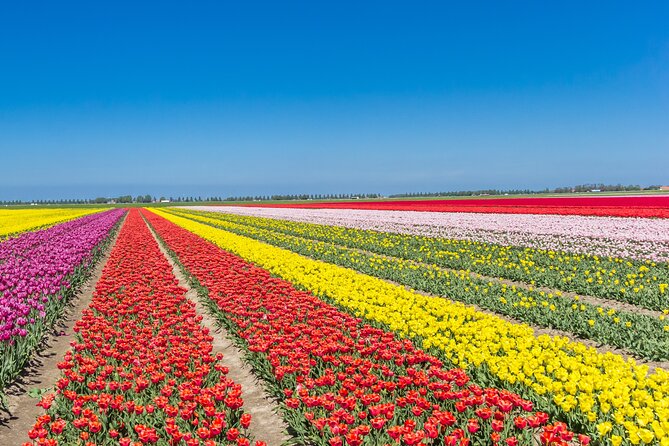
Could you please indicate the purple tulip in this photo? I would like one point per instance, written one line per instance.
(36, 268)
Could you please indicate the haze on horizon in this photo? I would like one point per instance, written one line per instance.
(261, 98)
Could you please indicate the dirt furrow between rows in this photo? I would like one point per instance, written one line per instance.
(266, 423)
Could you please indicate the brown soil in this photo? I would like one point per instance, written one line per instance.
(266, 423)
(42, 372)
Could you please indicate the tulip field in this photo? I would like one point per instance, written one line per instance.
(38, 273)
(454, 322)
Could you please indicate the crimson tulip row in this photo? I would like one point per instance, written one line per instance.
(342, 380)
(629, 206)
(141, 370)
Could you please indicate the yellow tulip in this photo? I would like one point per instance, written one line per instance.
(16, 221)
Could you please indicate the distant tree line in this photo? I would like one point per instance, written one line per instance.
(605, 188)
(303, 197)
(468, 193)
(98, 200)
(44, 202)
(557, 190)
(123, 199)
(191, 199)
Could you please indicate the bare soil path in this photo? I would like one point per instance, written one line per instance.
(266, 423)
(42, 372)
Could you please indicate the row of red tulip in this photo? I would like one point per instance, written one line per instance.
(627, 206)
(141, 370)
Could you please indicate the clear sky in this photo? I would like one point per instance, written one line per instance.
(231, 98)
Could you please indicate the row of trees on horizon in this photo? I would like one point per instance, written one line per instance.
(127, 199)
(558, 190)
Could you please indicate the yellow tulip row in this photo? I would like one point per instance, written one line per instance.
(16, 221)
(618, 400)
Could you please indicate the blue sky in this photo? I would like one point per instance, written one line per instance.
(232, 98)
